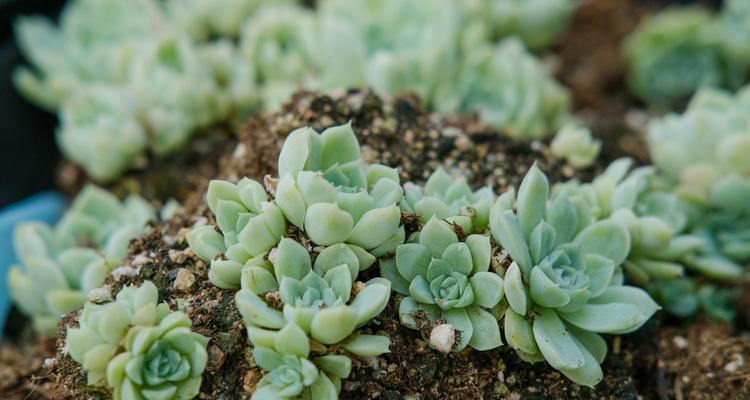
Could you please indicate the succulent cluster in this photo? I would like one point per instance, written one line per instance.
(295, 247)
(138, 348)
(680, 50)
(327, 205)
(563, 287)
(61, 264)
(142, 76)
(701, 156)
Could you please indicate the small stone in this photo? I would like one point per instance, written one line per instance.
(177, 256)
(184, 279)
(216, 357)
(99, 295)
(737, 362)
(140, 260)
(124, 271)
(680, 342)
(443, 337)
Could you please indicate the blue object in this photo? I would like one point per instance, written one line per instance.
(45, 207)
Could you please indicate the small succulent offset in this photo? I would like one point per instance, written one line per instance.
(677, 52)
(537, 22)
(702, 154)
(138, 348)
(448, 280)
(510, 89)
(562, 287)
(449, 199)
(61, 264)
(575, 144)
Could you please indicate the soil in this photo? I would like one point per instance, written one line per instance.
(663, 360)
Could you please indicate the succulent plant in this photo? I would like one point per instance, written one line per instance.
(89, 45)
(448, 280)
(734, 25)
(537, 22)
(449, 199)
(677, 52)
(100, 130)
(325, 191)
(574, 144)
(561, 287)
(61, 264)
(277, 43)
(702, 155)
(510, 89)
(138, 348)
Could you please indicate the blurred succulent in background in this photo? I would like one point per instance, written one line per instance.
(278, 44)
(562, 288)
(138, 348)
(388, 44)
(734, 25)
(448, 283)
(509, 89)
(703, 155)
(451, 200)
(61, 264)
(575, 144)
(325, 192)
(142, 77)
(537, 22)
(675, 53)
(94, 42)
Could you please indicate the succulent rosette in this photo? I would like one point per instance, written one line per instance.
(61, 264)
(509, 89)
(445, 279)
(138, 348)
(675, 53)
(325, 191)
(561, 286)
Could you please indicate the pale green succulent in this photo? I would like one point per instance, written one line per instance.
(325, 191)
(278, 44)
(100, 130)
(125, 80)
(206, 19)
(449, 199)
(703, 155)
(677, 52)
(509, 89)
(176, 91)
(292, 375)
(734, 25)
(388, 44)
(61, 264)
(575, 144)
(447, 279)
(561, 287)
(661, 247)
(138, 348)
(537, 22)
(93, 42)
